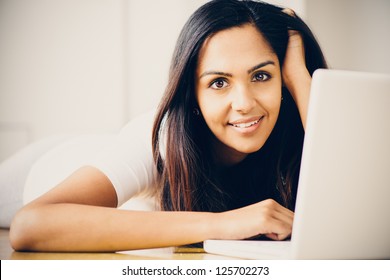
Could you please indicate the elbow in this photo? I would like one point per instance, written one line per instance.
(22, 230)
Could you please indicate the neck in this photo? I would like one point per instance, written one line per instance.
(224, 155)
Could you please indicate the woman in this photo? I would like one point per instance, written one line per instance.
(226, 144)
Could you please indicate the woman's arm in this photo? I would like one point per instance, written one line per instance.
(296, 77)
(79, 215)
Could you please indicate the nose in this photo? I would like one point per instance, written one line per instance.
(243, 100)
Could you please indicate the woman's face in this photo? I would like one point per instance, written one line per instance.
(238, 90)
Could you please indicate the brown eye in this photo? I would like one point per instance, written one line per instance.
(261, 77)
(219, 84)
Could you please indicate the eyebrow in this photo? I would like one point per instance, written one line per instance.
(261, 65)
(252, 69)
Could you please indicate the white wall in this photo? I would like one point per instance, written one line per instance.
(61, 69)
(354, 34)
(152, 33)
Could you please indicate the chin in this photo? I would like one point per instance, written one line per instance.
(249, 149)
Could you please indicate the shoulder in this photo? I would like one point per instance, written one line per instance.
(140, 125)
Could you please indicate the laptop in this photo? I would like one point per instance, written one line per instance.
(343, 200)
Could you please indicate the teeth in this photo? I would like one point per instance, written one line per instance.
(246, 125)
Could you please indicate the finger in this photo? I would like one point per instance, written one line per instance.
(277, 219)
(279, 212)
(289, 11)
(278, 237)
(281, 223)
(285, 211)
(273, 236)
(278, 230)
(284, 218)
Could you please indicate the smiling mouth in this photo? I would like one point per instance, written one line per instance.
(246, 125)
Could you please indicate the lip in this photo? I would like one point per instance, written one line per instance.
(246, 125)
(246, 120)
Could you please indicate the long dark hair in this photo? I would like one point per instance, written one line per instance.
(188, 179)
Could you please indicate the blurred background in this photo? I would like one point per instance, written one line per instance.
(88, 66)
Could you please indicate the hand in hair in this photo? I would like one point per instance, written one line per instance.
(263, 218)
(295, 75)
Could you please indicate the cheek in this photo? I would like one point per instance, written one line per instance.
(271, 101)
(212, 112)
(276, 96)
(210, 106)
(215, 116)
(274, 105)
